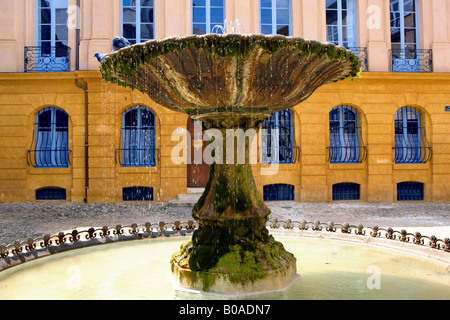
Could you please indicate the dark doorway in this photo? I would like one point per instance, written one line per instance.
(198, 167)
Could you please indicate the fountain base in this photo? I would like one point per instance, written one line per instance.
(221, 284)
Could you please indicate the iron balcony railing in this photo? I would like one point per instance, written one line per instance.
(347, 154)
(47, 59)
(281, 155)
(137, 157)
(49, 158)
(361, 53)
(405, 60)
(412, 154)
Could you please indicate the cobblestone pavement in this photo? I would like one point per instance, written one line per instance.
(32, 220)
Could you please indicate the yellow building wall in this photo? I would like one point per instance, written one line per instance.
(376, 97)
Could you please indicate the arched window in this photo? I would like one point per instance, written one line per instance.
(137, 194)
(275, 17)
(408, 133)
(344, 135)
(51, 149)
(138, 137)
(51, 193)
(206, 14)
(277, 138)
(279, 192)
(138, 19)
(346, 191)
(410, 191)
(341, 22)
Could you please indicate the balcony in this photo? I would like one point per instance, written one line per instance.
(404, 60)
(47, 59)
(361, 53)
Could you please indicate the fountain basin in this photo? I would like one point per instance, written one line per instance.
(330, 269)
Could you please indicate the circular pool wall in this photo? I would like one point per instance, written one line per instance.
(329, 269)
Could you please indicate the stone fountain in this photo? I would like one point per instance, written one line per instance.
(231, 82)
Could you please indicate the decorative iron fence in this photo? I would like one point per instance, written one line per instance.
(49, 158)
(137, 157)
(47, 59)
(347, 154)
(15, 253)
(361, 53)
(403, 60)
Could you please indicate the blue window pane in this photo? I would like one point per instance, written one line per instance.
(266, 3)
(283, 16)
(283, 3)
(45, 4)
(199, 28)
(127, 3)
(147, 3)
(146, 31)
(217, 15)
(199, 3)
(266, 16)
(216, 3)
(146, 15)
(331, 4)
(199, 14)
(46, 16)
(129, 15)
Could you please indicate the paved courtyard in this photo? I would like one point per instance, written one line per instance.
(32, 220)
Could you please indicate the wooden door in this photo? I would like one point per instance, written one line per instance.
(197, 168)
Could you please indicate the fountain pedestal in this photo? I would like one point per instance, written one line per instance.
(232, 251)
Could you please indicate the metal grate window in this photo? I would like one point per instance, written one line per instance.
(411, 145)
(138, 138)
(346, 191)
(346, 144)
(279, 192)
(51, 147)
(410, 191)
(51, 193)
(137, 194)
(277, 138)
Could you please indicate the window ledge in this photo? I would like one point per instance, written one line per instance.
(346, 166)
(50, 170)
(412, 166)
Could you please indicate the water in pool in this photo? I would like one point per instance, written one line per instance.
(140, 270)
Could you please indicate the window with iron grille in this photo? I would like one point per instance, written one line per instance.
(206, 15)
(279, 192)
(275, 17)
(346, 191)
(277, 138)
(138, 19)
(411, 144)
(138, 137)
(52, 51)
(51, 147)
(410, 191)
(137, 194)
(346, 145)
(51, 193)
